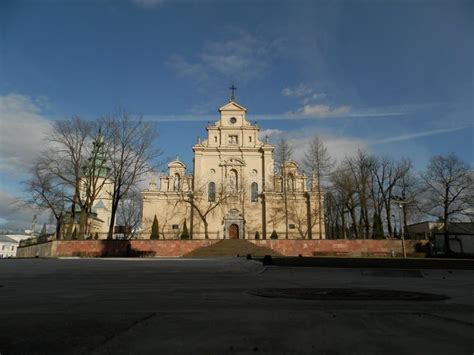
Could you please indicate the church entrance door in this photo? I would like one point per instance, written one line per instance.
(234, 231)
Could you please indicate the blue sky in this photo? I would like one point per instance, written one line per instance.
(392, 77)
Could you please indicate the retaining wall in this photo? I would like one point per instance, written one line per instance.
(108, 248)
(340, 247)
(149, 248)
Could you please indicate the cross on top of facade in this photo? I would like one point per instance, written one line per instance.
(232, 92)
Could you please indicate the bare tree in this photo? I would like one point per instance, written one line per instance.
(66, 156)
(132, 154)
(448, 189)
(204, 199)
(96, 174)
(317, 159)
(282, 154)
(360, 168)
(408, 189)
(304, 215)
(129, 213)
(47, 192)
(344, 192)
(76, 158)
(387, 173)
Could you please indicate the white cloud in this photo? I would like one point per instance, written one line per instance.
(17, 215)
(243, 57)
(22, 132)
(314, 97)
(409, 136)
(339, 147)
(301, 90)
(148, 3)
(323, 111)
(270, 132)
(304, 92)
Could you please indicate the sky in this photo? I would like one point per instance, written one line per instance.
(392, 77)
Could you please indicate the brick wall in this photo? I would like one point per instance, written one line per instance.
(119, 248)
(339, 247)
(98, 248)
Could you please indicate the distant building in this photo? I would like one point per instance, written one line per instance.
(460, 234)
(422, 230)
(8, 247)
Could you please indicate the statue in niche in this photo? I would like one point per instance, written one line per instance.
(233, 180)
(232, 139)
(152, 180)
(177, 183)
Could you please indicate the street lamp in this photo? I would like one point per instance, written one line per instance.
(400, 201)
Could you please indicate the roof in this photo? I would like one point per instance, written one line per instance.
(461, 228)
(99, 204)
(5, 239)
(232, 106)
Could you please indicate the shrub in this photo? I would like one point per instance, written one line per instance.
(185, 233)
(155, 229)
(377, 229)
(257, 235)
(274, 235)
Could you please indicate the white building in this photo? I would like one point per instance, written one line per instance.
(8, 247)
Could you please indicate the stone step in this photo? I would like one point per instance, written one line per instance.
(231, 247)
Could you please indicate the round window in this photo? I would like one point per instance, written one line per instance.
(233, 120)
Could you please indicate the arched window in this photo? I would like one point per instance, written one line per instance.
(233, 180)
(254, 192)
(211, 192)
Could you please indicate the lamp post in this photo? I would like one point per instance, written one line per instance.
(400, 201)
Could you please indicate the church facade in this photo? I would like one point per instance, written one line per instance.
(232, 190)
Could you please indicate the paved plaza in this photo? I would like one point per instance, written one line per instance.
(203, 306)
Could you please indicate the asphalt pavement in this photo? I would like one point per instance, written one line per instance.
(210, 306)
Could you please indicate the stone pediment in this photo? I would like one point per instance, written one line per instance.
(234, 213)
(233, 161)
(176, 164)
(232, 106)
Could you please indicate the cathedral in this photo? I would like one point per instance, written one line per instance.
(233, 191)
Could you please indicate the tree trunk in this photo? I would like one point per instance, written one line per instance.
(205, 229)
(115, 202)
(286, 202)
(389, 218)
(405, 223)
(320, 207)
(343, 220)
(58, 227)
(447, 247)
(82, 224)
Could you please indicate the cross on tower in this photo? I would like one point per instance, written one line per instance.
(232, 92)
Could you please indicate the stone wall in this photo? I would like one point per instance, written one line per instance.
(340, 247)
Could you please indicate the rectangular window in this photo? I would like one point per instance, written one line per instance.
(291, 226)
(175, 226)
(250, 139)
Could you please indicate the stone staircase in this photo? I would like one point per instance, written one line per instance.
(231, 247)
